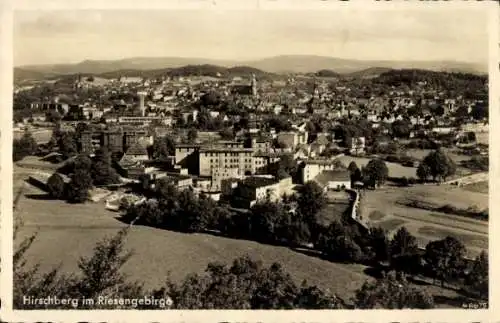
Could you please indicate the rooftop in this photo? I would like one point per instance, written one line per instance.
(256, 182)
(325, 161)
(332, 175)
(137, 149)
(225, 149)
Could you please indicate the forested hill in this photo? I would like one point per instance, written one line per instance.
(188, 70)
(458, 83)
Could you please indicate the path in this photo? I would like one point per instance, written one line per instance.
(469, 179)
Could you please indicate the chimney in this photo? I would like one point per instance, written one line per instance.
(141, 103)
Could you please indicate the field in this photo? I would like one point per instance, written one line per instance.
(383, 208)
(398, 170)
(479, 187)
(421, 153)
(482, 137)
(395, 170)
(41, 136)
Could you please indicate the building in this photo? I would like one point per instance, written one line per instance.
(260, 145)
(292, 138)
(245, 88)
(357, 145)
(140, 121)
(137, 152)
(211, 158)
(312, 168)
(116, 140)
(130, 168)
(219, 175)
(186, 156)
(254, 189)
(334, 179)
(130, 79)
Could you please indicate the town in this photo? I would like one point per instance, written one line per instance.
(381, 168)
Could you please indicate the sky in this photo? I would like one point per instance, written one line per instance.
(57, 37)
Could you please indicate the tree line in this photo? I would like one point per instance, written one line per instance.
(243, 284)
(296, 222)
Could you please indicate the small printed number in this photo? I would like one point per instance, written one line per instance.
(481, 305)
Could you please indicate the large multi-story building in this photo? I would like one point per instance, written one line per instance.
(211, 158)
(116, 140)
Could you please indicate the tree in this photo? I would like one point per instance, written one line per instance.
(377, 172)
(352, 167)
(355, 172)
(56, 186)
(162, 147)
(392, 292)
(337, 242)
(438, 110)
(379, 243)
(53, 116)
(264, 220)
(440, 165)
(293, 228)
(462, 112)
(275, 289)
(102, 171)
(285, 167)
(480, 112)
(423, 171)
(403, 250)
(478, 277)
(311, 199)
(246, 284)
(81, 180)
(210, 99)
(67, 144)
(444, 258)
(25, 146)
(78, 187)
(101, 271)
(194, 213)
(227, 134)
(82, 162)
(401, 128)
(311, 297)
(192, 135)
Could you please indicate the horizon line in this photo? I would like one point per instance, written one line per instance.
(251, 60)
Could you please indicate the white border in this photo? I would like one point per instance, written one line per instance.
(6, 90)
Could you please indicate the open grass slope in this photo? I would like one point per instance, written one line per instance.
(66, 232)
(383, 208)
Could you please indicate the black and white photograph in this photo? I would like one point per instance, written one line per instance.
(251, 159)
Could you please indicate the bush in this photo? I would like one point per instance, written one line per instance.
(56, 186)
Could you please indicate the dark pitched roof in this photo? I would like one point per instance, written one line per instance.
(256, 182)
(137, 149)
(332, 175)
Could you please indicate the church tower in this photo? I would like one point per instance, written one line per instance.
(254, 86)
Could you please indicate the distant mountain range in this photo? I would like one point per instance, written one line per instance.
(277, 65)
